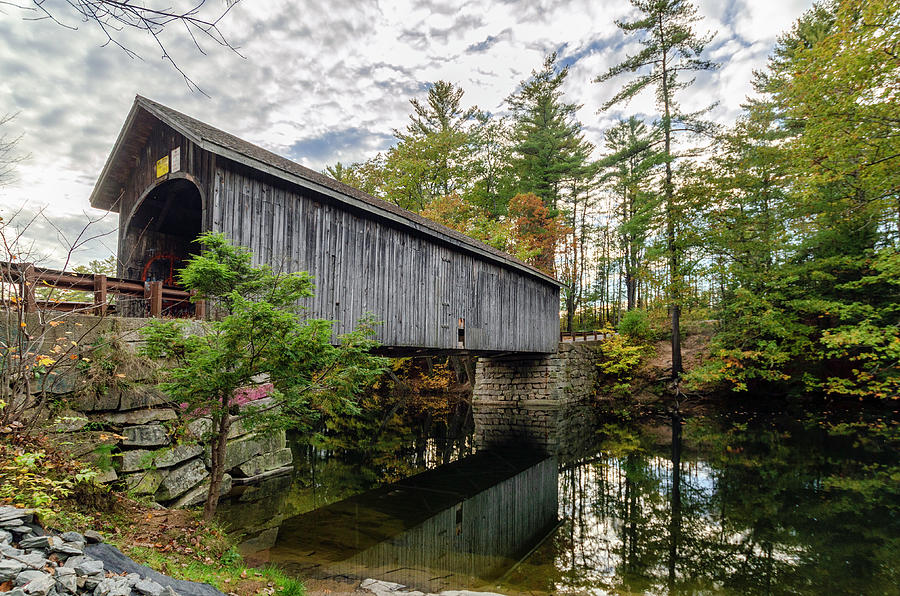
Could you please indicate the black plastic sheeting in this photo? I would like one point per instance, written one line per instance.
(116, 562)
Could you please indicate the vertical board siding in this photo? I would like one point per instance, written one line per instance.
(497, 525)
(418, 289)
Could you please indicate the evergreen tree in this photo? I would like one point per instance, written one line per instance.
(438, 137)
(632, 161)
(813, 190)
(671, 48)
(548, 145)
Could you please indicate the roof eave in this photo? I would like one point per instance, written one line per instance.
(96, 200)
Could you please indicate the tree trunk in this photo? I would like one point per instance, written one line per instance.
(670, 223)
(217, 463)
(675, 519)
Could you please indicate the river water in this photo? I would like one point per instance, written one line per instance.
(724, 505)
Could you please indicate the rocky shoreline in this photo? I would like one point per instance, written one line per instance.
(34, 562)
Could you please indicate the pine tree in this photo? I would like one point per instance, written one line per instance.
(438, 136)
(632, 161)
(548, 145)
(671, 48)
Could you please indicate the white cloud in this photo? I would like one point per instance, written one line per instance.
(325, 80)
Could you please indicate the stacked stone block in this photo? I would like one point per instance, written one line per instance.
(139, 425)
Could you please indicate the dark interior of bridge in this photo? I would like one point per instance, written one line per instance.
(161, 232)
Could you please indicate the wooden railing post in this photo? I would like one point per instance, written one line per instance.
(155, 298)
(99, 294)
(28, 299)
(199, 307)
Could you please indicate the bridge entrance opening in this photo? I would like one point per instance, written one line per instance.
(160, 233)
(160, 236)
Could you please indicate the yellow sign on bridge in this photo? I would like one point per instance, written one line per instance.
(162, 166)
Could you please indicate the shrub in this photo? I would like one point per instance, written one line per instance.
(636, 325)
(621, 357)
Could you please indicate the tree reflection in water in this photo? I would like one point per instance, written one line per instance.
(805, 508)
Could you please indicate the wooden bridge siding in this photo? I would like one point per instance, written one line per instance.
(292, 229)
(420, 289)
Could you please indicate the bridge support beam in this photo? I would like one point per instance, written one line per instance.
(543, 401)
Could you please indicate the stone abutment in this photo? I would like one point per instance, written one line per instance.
(537, 401)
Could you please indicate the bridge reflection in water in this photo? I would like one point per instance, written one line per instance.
(459, 525)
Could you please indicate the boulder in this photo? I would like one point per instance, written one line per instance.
(95, 401)
(39, 585)
(262, 541)
(150, 435)
(66, 579)
(9, 551)
(61, 381)
(14, 516)
(89, 567)
(133, 397)
(5, 537)
(113, 586)
(181, 479)
(106, 476)
(237, 429)
(68, 549)
(197, 495)
(144, 416)
(9, 569)
(266, 461)
(37, 542)
(73, 562)
(144, 483)
(148, 587)
(272, 442)
(72, 537)
(176, 455)
(93, 537)
(199, 428)
(237, 452)
(138, 459)
(34, 560)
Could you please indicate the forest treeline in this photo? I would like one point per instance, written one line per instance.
(782, 226)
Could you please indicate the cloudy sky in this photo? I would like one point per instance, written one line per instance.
(318, 81)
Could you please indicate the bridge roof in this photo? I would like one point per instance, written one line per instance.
(136, 129)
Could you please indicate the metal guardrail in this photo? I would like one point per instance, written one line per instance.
(160, 298)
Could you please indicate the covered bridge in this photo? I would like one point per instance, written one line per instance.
(171, 177)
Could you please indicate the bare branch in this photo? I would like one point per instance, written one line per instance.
(114, 18)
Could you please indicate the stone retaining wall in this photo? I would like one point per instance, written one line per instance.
(129, 427)
(538, 401)
(138, 432)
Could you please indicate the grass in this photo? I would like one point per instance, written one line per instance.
(231, 575)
